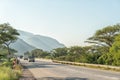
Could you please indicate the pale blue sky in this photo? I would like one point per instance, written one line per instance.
(71, 22)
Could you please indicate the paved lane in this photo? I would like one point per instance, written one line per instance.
(47, 70)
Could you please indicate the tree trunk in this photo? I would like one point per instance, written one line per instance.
(8, 48)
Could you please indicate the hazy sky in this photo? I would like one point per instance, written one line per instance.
(70, 22)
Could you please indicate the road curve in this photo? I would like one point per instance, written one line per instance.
(47, 70)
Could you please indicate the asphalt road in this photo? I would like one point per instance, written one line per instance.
(47, 70)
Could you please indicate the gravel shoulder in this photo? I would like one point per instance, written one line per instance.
(26, 74)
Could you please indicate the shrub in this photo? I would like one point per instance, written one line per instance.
(6, 73)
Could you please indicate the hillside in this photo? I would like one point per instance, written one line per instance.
(28, 41)
(21, 46)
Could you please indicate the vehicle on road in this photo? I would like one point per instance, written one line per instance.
(21, 56)
(31, 59)
(25, 57)
(29, 56)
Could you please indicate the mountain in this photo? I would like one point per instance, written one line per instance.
(43, 42)
(28, 41)
(21, 46)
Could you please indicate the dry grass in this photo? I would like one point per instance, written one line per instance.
(6, 73)
(97, 66)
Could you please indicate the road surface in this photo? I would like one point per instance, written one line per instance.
(47, 70)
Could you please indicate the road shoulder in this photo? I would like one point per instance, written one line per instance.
(26, 74)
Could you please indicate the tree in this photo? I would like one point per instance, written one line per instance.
(58, 52)
(115, 51)
(77, 50)
(113, 57)
(39, 53)
(105, 36)
(77, 53)
(8, 35)
(116, 45)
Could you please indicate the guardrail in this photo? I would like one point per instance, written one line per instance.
(105, 67)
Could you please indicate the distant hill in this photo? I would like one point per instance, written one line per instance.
(28, 41)
(21, 46)
(43, 42)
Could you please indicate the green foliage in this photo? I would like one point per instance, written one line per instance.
(105, 36)
(58, 52)
(116, 59)
(7, 64)
(107, 50)
(7, 73)
(113, 57)
(74, 54)
(39, 53)
(115, 51)
(7, 35)
(3, 50)
(102, 59)
(27, 53)
(110, 59)
(108, 39)
(116, 45)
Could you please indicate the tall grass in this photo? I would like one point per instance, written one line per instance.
(6, 73)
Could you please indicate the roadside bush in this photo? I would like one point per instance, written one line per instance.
(18, 67)
(7, 73)
(48, 57)
(7, 64)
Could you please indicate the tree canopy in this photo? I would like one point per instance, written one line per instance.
(105, 36)
(7, 35)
